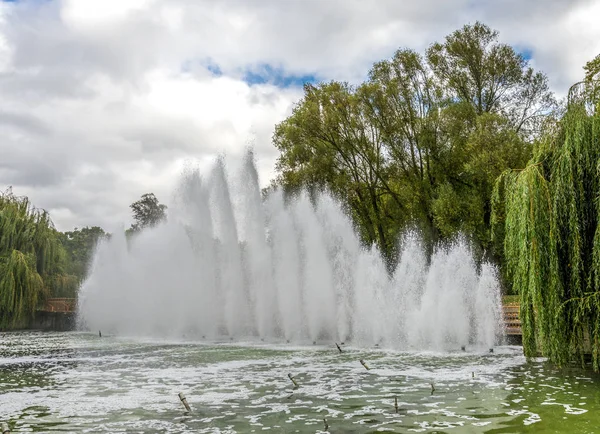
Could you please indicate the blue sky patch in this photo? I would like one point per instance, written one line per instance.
(265, 73)
(526, 52)
(192, 64)
(262, 73)
(214, 69)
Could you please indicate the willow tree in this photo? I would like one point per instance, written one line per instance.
(549, 213)
(31, 260)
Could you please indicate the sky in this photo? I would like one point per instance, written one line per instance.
(102, 101)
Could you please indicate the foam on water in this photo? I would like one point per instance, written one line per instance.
(228, 263)
(78, 382)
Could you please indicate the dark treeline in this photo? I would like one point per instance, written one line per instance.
(38, 262)
(422, 140)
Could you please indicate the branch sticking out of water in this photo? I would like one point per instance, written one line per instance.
(396, 403)
(362, 362)
(326, 424)
(184, 401)
(293, 381)
(432, 388)
(338, 347)
(5, 428)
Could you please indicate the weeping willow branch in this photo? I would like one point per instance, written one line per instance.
(548, 214)
(32, 260)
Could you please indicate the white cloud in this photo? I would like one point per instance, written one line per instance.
(104, 100)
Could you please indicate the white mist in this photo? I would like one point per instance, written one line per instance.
(277, 269)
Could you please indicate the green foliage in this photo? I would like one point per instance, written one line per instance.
(21, 287)
(79, 246)
(529, 235)
(147, 212)
(454, 211)
(328, 142)
(592, 79)
(550, 213)
(422, 141)
(32, 260)
(474, 67)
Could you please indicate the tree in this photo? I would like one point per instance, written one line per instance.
(491, 76)
(147, 212)
(550, 215)
(329, 142)
(403, 103)
(79, 245)
(420, 142)
(32, 260)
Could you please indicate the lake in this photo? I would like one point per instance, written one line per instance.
(79, 382)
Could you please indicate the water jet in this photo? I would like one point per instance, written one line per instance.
(286, 267)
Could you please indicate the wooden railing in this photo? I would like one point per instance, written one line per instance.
(512, 322)
(65, 305)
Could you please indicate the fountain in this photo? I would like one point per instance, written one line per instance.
(230, 264)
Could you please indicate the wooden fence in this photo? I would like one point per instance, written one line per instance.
(66, 305)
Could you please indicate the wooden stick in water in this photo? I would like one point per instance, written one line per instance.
(326, 424)
(396, 403)
(338, 347)
(362, 362)
(184, 401)
(5, 428)
(292, 380)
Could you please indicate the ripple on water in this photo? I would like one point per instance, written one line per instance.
(75, 382)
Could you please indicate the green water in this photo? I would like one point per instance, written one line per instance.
(75, 382)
